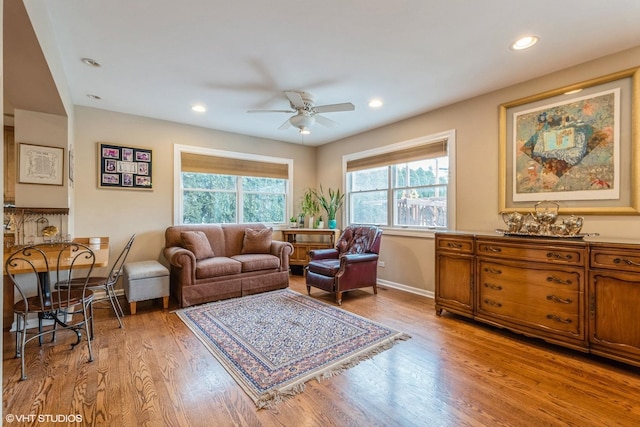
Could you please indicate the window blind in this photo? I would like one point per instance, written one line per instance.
(201, 163)
(421, 152)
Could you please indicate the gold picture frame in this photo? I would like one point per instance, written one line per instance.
(40, 164)
(589, 170)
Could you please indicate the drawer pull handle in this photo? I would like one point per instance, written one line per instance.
(560, 256)
(558, 299)
(493, 249)
(492, 286)
(454, 245)
(558, 319)
(492, 303)
(626, 261)
(558, 280)
(493, 270)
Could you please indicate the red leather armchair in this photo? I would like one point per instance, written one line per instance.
(352, 264)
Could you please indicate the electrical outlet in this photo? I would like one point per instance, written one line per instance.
(381, 264)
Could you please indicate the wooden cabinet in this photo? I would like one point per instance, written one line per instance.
(614, 301)
(9, 165)
(577, 293)
(305, 240)
(454, 274)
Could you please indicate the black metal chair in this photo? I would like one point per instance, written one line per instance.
(69, 308)
(107, 283)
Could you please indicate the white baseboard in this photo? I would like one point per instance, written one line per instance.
(410, 289)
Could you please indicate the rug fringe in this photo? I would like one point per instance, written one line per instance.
(274, 397)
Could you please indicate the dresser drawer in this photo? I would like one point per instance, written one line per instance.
(454, 243)
(615, 259)
(556, 254)
(536, 316)
(530, 275)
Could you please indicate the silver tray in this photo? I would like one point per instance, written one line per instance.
(546, 236)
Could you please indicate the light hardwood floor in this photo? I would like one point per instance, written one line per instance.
(453, 372)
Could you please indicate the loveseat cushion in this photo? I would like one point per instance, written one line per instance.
(257, 241)
(197, 242)
(218, 266)
(257, 262)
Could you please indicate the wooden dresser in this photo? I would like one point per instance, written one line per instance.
(579, 294)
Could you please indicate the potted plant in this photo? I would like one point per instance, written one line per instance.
(309, 205)
(330, 204)
(320, 223)
(293, 222)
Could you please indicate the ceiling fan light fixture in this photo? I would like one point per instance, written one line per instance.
(304, 130)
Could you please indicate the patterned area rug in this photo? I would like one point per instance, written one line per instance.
(272, 343)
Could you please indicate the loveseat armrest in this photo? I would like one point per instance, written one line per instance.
(283, 251)
(183, 262)
(317, 254)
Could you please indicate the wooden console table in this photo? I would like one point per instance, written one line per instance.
(309, 242)
(581, 294)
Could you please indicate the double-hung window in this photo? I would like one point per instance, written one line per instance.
(224, 187)
(405, 185)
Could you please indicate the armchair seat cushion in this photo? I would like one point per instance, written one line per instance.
(217, 266)
(257, 262)
(325, 267)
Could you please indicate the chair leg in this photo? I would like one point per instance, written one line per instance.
(23, 336)
(375, 288)
(88, 328)
(339, 298)
(115, 304)
(308, 290)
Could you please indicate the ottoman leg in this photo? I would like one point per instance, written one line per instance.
(165, 302)
(132, 307)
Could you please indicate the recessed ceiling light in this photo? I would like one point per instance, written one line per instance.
(375, 103)
(91, 62)
(524, 42)
(199, 108)
(92, 96)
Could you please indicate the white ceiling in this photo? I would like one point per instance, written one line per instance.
(161, 57)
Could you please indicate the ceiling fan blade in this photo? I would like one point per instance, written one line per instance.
(345, 106)
(295, 98)
(271, 111)
(285, 125)
(324, 121)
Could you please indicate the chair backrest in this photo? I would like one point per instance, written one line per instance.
(35, 263)
(118, 265)
(359, 239)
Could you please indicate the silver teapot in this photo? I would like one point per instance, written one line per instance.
(513, 221)
(573, 224)
(546, 213)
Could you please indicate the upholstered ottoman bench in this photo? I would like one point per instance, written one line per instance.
(145, 280)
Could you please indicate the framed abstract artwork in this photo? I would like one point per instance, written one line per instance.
(577, 145)
(124, 167)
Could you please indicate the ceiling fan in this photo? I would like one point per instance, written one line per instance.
(306, 112)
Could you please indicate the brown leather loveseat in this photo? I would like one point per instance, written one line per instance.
(213, 262)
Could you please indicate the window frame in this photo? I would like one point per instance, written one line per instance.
(450, 137)
(178, 149)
